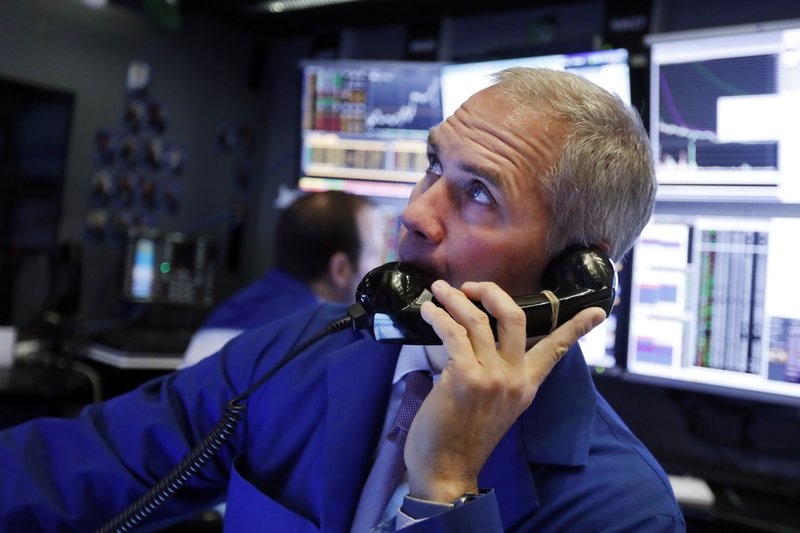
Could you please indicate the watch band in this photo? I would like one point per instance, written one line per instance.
(465, 498)
(413, 509)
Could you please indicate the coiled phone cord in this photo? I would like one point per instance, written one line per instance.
(168, 485)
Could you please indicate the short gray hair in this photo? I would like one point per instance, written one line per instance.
(603, 187)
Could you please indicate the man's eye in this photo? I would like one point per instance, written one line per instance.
(434, 167)
(478, 193)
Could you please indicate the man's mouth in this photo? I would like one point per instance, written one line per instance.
(428, 269)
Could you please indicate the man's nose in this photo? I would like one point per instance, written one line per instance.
(426, 212)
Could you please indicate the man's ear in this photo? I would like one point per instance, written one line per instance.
(603, 245)
(340, 270)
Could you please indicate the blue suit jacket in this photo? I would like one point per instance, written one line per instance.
(300, 456)
(274, 295)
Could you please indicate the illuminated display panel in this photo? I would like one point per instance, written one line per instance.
(712, 305)
(365, 125)
(169, 268)
(607, 68)
(724, 112)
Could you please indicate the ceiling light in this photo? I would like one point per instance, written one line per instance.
(281, 6)
(95, 4)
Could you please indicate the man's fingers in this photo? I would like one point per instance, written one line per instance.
(509, 317)
(454, 336)
(472, 323)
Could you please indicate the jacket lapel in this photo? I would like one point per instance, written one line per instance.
(359, 385)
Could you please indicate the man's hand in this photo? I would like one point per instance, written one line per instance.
(485, 385)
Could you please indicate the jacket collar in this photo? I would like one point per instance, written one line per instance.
(277, 277)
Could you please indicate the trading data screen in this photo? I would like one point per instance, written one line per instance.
(725, 105)
(607, 68)
(365, 125)
(713, 303)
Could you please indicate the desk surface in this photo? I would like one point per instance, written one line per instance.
(32, 389)
(131, 359)
(140, 347)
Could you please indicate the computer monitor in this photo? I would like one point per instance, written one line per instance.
(365, 124)
(724, 109)
(169, 268)
(713, 305)
(607, 68)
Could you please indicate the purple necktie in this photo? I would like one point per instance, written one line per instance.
(390, 467)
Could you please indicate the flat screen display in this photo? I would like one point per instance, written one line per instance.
(35, 127)
(169, 268)
(713, 304)
(725, 104)
(607, 68)
(364, 125)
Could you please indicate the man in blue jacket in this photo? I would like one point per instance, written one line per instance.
(325, 242)
(537, 162)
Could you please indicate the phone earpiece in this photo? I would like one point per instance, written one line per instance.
(578, 278)
(389, 298)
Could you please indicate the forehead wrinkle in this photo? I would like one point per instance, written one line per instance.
(490, 175)
(541, 148)
(508, 155)
(509, 146)
(511, 132)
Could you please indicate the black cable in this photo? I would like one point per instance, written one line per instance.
(208, 447)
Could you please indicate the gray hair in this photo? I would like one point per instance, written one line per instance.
(603, 187)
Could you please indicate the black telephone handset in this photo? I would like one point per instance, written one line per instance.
(389, 298)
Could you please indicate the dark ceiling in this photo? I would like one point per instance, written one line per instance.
(247, 14)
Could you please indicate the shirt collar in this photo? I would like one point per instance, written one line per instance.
(411, 358)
